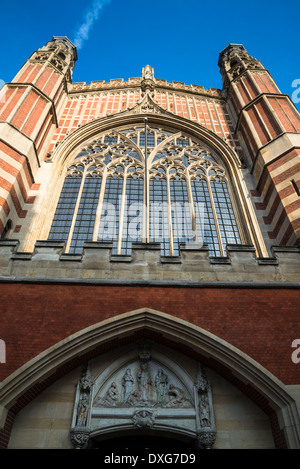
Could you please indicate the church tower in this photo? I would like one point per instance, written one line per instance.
(268, 125)
(29, 113)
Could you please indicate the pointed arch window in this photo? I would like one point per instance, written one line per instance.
(183, 197)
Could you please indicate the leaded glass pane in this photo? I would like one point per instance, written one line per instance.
(110, 139)
(181, 218)
(226, 218)
(205, 222)
(133, 215)
(109, 222)
(65, 209)
(150, 139)
(85, 220)
(158, 219)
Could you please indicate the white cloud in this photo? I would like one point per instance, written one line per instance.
(92, 15)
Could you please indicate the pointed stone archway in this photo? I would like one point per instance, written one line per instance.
(28, 381)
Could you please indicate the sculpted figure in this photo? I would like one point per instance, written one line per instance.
(144, 381)
(161, 384)
(177, 397)
(112, 395)
(82, 410)
(204, 412)
(133, 399)
(127, 384)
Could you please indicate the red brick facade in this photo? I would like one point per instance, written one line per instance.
(42, 106)
(253, 320)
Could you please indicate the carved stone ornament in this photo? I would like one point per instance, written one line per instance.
(142, 386)
(80, 437)
(206, 439)
(237, 71)
(80, 428)
(148, 73)
(147, 105)
(143, 419)
(85, 382)
(40, 57)
(202, 383)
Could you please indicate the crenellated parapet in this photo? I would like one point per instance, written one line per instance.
(146, 265)
(114, 83)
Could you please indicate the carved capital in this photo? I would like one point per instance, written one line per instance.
(80, 437)
(206, 439)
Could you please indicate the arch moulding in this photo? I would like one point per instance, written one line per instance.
(194, 340)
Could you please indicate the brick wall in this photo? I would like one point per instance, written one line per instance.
(260, 322)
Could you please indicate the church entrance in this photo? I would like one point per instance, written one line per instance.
(143, 396)
(142, 442)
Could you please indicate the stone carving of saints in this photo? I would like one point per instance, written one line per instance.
(82, 410)
(127, 385)
(161, 384)
(112, 395)
(178, 398)
(133, 399)
(144, 381)
(204, 412)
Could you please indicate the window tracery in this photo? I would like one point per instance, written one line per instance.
(180, 196)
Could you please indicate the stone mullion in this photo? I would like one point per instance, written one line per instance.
(169, 213)
(100, 205)
(191, 205)
(76, 211)
(122, 208)
(215, 217)
(146, 211)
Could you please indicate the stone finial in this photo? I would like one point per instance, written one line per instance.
(148, 73)
(148, 80)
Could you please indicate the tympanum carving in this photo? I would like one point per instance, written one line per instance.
(143, 385)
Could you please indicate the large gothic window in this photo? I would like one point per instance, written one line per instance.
(179, 195)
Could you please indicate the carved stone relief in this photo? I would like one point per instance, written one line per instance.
(206, 431)
(80, 428)
(143, 419)
(144, 384)
(144, 392)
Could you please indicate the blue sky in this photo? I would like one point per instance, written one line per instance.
(180, 39)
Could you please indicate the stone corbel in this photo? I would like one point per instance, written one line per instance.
(80, 437)
(206, 439)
